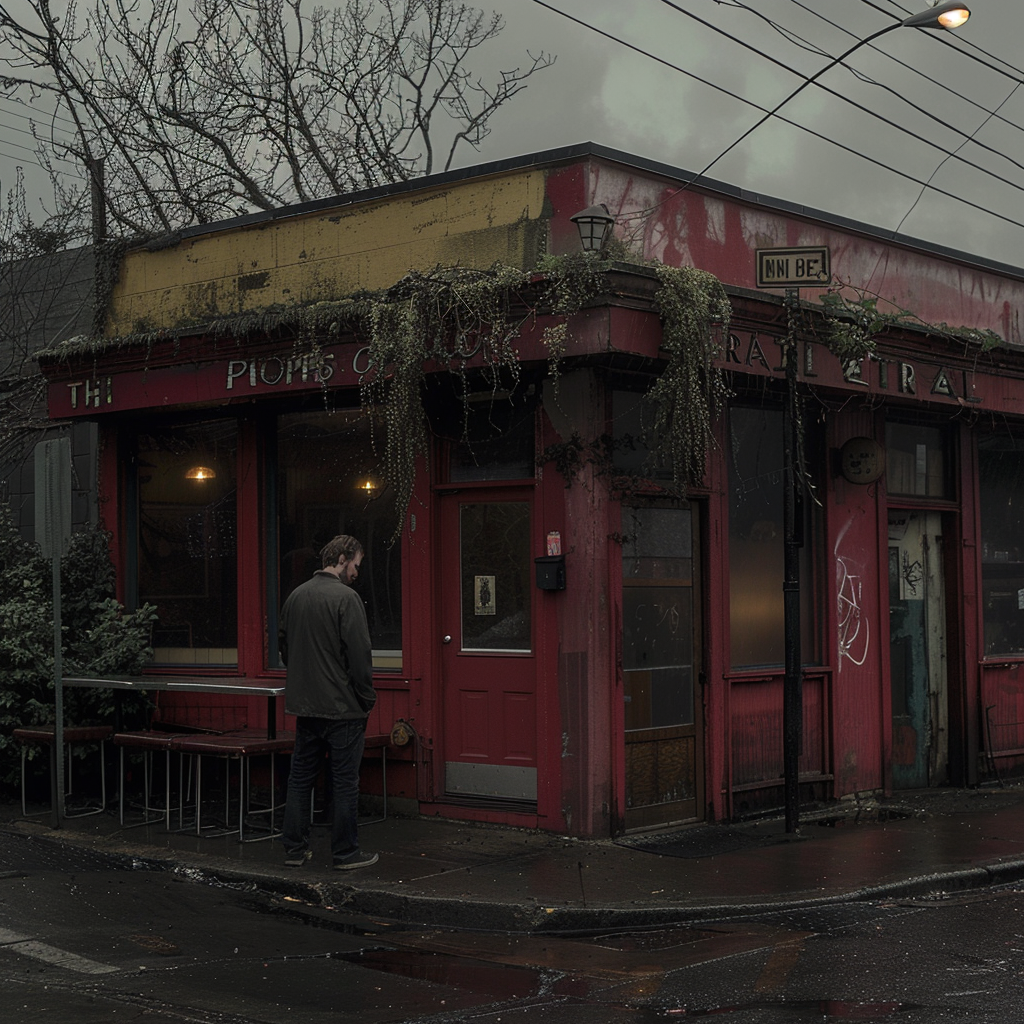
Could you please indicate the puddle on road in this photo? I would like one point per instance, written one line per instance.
(509, 982)
(654, 939)
(493, 980)
(817, 1010)
(479, 977)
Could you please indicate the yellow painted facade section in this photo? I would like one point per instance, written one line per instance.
(332, 253)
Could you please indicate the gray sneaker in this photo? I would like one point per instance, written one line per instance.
(357, 860)
(298, 860)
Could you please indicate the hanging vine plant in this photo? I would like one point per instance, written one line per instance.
(449, 320)
(686, 397)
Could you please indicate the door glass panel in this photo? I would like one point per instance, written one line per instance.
(495, 576)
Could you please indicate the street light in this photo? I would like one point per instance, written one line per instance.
(943, 17)
(948, 15)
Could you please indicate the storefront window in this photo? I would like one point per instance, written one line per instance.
(756, 545)
(916, 462)
(187, 563)
(327, 483)
(1001, 476)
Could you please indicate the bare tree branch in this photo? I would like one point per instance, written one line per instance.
(210, 108)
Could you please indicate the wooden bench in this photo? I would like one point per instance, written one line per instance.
(46, 736)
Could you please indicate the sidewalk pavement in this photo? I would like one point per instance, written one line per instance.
(450, 874)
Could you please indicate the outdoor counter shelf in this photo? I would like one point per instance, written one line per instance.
(270, 688)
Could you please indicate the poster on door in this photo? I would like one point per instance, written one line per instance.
(483, 595)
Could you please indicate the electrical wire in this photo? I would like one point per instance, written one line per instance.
(867, 110)
(660, 60)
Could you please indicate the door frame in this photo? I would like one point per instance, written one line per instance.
(449, 499)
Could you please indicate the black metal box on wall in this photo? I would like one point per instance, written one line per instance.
(550, 572)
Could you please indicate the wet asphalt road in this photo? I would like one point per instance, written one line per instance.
(85, 937)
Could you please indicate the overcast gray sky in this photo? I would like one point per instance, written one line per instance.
(600, 90)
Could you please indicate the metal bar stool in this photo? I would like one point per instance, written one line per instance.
(241, 748)
(148, 742)
(45, 736)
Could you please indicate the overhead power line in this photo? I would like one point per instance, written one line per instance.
(831, 141)
(947, 154)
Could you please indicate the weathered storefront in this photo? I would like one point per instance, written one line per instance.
(569, 645)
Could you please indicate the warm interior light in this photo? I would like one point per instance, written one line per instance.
(368, 486)
(200, 473)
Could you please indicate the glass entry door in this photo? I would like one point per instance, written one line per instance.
(487, 652)
(661, 667)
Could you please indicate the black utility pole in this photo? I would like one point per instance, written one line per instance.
(792, 699)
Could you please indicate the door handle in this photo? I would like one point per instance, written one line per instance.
(447, 638)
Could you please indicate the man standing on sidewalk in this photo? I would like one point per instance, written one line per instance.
(325, 644)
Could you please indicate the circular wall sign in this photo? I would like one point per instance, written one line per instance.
(863, 460)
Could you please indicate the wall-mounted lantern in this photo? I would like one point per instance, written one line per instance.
(594, 225)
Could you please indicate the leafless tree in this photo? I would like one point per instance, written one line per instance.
(192, 113)
(46, 296)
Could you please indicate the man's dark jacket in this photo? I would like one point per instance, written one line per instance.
(325, 642)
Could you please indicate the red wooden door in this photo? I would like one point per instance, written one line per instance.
(488, 665)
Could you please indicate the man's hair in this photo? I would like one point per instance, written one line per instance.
(343, 546)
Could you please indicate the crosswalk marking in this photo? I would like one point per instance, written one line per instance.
(25, 945)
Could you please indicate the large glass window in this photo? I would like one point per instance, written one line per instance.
(757, 544)
(1001, 476)
(326, 484)
(187, 562)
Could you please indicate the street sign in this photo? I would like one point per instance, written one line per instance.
(794, 268)
(53, 496)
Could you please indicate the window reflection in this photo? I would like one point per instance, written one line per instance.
(187, 563)
(327, 483)
(1001, 474)
(757, 543)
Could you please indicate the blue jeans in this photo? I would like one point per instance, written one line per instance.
(343, 740)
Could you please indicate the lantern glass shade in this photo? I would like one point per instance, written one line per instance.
(200, 473)
(594, 225)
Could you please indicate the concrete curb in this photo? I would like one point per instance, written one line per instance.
(323, 894)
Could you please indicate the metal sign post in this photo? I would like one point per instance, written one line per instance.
(53, 531)
(792, 269)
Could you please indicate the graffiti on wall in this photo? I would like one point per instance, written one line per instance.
(854, 630)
